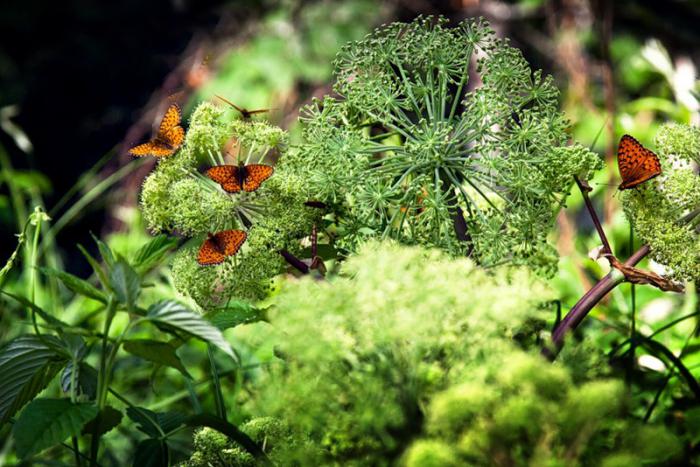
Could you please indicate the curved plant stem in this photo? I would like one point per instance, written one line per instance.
(218, 395)
(591, 299)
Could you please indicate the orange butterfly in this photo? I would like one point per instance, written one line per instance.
(220, 245)
(169, 137)
(245, 113)
(637, 164)
(233, 178)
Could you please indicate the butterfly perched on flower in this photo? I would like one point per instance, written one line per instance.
(245, 113)
(219, 246)
(234, 178)
(169, 137)
(637, 164)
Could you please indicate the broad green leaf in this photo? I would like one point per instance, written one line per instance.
(234, 315)
(27, 365)
(104, 421)
(153, 252)
(85, 377)
(125, 283)
(76, 284)
(47, 422)
(97, 269)
(173, 315)
(158, 352)
(151, 453)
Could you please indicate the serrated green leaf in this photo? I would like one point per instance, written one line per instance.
(105, 252)
(76, 284)
(27, 365)
(153, 252)
(234, 315)
(108, 418)
(151, 453)
(172, 315)
(97, 269)
(86, 378)
(47, 422)
(157, 352)
(125, 283)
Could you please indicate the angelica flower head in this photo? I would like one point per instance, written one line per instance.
(664, 210)
(178, 198)
(434, 123)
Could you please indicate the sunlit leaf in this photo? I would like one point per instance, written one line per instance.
(153, 252)
(125, 282)
(235, 314)
(172, 315)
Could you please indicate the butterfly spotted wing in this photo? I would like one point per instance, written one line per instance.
(219, 246)
(234, 178)
(169, 137)
(637, 164)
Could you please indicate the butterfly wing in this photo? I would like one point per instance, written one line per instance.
(636, 163)
(170, 131)
(226, 176)
(255, 175)
(170, 136)
(209, 253)
(152, 148)
(231, 241)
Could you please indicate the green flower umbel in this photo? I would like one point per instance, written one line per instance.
(443, 137)
(664, 211)
(177, 198)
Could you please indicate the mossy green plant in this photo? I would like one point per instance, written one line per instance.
(664, 211)
(177, 198)
(407, 357)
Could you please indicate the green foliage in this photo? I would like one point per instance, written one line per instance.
(409, 355)
(664, 211)
(46, 422)
(412, 145)
(176, 197)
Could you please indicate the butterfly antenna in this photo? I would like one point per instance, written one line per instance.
(241, 110)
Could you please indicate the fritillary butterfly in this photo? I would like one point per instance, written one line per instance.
(637, 164)
(234, 178)
(220, 245)
(245, 113)
(169, 137)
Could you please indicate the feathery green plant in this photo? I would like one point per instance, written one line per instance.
(443, 137)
